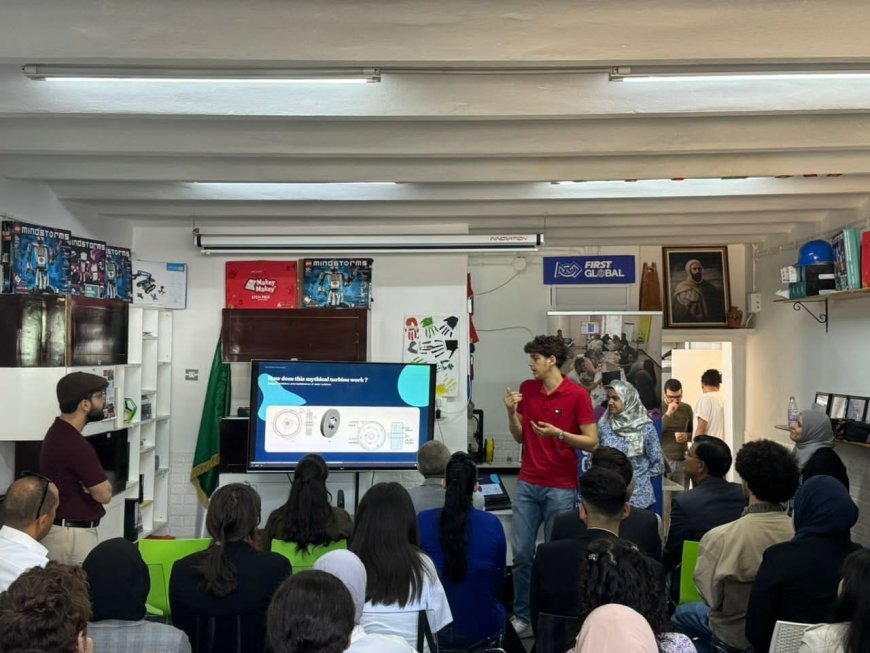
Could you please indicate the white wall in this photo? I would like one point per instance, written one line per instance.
(792, 355)
(36, 203)
(401, 285)
(510, 308)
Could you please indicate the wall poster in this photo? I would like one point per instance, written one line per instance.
(434, 339)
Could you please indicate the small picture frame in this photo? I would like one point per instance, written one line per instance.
(838, 407)
(856, 408)
(822, 402)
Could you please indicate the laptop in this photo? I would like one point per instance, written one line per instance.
(495, 495)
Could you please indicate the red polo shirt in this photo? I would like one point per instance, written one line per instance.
(549, 461)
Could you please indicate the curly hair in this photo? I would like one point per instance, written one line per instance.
(310, 613)
(615, 571)
(769, 470)
(548, 346)
(45, 608)
(712, 378)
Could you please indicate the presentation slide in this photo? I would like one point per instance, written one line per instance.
(355, 415)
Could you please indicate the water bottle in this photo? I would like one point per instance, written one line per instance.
(793, 413)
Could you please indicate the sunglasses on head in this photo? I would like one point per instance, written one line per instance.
(47, 482)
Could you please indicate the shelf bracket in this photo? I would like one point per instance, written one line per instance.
(821, 318)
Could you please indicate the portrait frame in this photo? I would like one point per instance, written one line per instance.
(856, 408)
(692, 303)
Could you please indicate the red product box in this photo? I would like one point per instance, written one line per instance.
(261, 284)
(865, 259)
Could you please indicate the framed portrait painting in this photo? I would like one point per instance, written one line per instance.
(696, 286)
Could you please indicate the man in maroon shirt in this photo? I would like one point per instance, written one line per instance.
(70, 461)
(551, 417)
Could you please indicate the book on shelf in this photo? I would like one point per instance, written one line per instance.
(847, 259)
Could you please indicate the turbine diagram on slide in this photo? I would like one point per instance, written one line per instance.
(302, 429)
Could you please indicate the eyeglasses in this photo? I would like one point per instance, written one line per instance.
(101, 395)
(44, 489)
(674, 397)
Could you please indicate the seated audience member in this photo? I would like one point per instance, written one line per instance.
(30, 505)
(640, 526)
(850, 632)
(222, 593)
(729, 555)
(468, 548)
(614, 571)
(307, 519)
(432, 460)
(814, 447)
(119, 584)
(603, 504)
(349, 569)
(615, 628)
(627, 427)
(712, 501)
(823, 515)
(310, 613)
(402, 580)
(46, 609)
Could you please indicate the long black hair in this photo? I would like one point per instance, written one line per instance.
(853, 604)
(233, 516)
(461, 476)
(386, 539)
(306, 515)
(615, 571)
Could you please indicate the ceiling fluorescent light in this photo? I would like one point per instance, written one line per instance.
(365, 244)
(71, 73)
(738, 72)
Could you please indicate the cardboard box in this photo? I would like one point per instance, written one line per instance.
(262, 284)
(336, 283)
(34, 259)
(157, 283)
(119, 273)
(86, 262)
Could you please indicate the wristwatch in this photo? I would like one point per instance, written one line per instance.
(561, 435)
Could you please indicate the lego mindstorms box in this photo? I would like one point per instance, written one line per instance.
(33, 258)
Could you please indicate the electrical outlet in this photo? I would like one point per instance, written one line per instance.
(754, 302)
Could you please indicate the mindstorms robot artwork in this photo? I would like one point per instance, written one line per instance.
(34, 259)
(336, 283)
(87, 267)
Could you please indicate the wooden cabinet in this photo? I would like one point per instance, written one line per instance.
(304, 334)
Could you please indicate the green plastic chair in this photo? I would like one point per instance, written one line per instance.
(688, 589)
(301, 560)
(160, 556)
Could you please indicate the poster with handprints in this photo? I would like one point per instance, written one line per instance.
(434, 339)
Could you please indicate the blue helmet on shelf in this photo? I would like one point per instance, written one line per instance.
(814, 252)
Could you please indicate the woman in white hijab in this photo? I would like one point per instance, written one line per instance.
(615, 628)
(626, 426)
(349, 569)
(814, 447)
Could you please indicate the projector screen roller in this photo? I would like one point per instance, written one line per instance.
(355, 415)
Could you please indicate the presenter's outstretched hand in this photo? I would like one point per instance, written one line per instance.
(545, 429)
(512, 398)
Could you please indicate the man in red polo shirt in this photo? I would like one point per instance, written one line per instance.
(551, 417)
(70, 461)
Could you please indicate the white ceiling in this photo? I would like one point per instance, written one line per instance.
(481, 106)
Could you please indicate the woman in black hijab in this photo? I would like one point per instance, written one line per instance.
(119, 583)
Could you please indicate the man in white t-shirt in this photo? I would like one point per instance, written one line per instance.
(710, 411)
(30, 506)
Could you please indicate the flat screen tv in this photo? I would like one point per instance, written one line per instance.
(356, 415)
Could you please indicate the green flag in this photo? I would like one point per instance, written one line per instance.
(204, 474)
